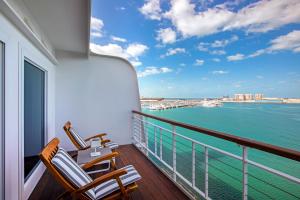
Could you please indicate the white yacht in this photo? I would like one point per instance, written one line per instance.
(211, 104)
(49, 76)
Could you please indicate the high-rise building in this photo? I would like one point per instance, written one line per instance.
(239, 97)
(248, 97)
(259, 96)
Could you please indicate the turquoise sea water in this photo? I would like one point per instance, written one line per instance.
(277, 124)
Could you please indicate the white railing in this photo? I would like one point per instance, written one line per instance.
(164, 138)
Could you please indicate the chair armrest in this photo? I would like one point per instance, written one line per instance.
(112, 175)
(100, 159)
(105, 141)
(100, 135)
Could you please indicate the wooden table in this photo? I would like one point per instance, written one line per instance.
(84, 156)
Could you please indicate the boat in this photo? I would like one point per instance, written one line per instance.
(211, 104)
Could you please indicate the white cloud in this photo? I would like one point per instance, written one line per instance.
(190, 23)
(132, 52)
(223, 43)
(202, 46)
(151, 9)
(153, 70)
(136, 49)
(136, 63)
(172, 51)
(219, 72)
(261, 16)
(216, 59)
(109, 49)
(236, 57)
(96, 34)
(96, 27)
(199, 62)
(166, 35)
(259, 77)
(297, 50)
(257, 53)
(291, 41)
(206, 46)
(182, 64)
(288, 42)
(118, 39)
(218, 52)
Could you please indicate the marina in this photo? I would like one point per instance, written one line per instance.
(171, 104)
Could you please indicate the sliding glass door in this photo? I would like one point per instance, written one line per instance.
(34, 116)
(1, 120)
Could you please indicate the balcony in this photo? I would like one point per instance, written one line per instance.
(175, 166)
(154, 184)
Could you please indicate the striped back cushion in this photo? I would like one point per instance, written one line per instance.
(78, 138)
(72, 171)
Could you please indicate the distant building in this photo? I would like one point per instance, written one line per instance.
(248, 97)
(259, 96)
(239, 97)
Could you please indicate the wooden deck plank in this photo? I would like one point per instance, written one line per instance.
(154, 184)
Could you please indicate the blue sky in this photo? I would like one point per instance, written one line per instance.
(203, 48)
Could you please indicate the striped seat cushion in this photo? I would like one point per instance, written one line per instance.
(110, 186)
(80, 141)
(72, 171)
(112, 145)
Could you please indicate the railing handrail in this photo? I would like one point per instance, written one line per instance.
(280, 151)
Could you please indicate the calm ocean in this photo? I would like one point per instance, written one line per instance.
(277, 124)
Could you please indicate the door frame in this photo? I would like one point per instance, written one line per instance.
(28, 56)
(2, 119)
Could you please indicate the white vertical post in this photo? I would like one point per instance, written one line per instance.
(160, 143)
(133, 130)
(245, 173)
(146, 136)
(174, 152)
(206, 172)
(141, 130)
(155, 145)
(193, 164)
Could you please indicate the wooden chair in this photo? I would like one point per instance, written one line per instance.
(81, 144)
(51, 150)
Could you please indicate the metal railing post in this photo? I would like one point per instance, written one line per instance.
(206, 172)
(245, 173)
(155, 145)
(193, 164)
(132, 128)
(160, 143)
(146, 137)
(141, 132)
(174, 152)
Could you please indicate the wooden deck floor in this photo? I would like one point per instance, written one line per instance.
(154, 184)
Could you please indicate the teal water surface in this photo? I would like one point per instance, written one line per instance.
(277, 124)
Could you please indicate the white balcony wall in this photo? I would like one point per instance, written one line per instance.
(97, 94)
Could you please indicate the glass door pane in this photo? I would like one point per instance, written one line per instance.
(34, 116)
